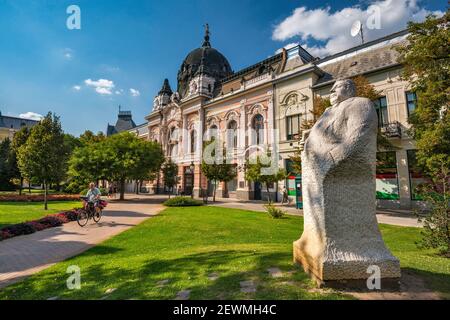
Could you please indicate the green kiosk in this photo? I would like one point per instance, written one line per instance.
(298, 192)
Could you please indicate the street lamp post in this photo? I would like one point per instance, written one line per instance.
(192, 168)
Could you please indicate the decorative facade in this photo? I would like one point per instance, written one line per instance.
(263, 107)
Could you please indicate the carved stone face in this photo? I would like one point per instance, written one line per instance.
(341, 91)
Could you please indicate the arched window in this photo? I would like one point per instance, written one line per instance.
(173, 134)
(193, 140)
(258, 127)
(213, 132)
(232, 134)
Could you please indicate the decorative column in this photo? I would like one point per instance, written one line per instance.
(198, 175)
(242, 190)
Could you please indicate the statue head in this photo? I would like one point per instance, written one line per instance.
(342, 90)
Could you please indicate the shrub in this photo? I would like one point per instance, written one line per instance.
(71, 215)
(36, 226)
(436, 221)
(37, 197)
(50, 221)
(273, 211)
(182, 202)
(4, 234)
(20, 229)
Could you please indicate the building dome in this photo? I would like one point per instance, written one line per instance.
(203, 60)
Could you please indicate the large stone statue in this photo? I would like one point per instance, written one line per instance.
(341, 238)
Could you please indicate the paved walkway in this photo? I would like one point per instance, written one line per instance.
(26, 255)
(402, 218)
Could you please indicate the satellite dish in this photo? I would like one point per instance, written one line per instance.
(356, 29)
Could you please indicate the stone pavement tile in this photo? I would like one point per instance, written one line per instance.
(213, 276)
(248, 286)
(275, 272)
(183, 295)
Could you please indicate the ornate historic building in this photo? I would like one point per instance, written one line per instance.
(264, 105)
(10, 125)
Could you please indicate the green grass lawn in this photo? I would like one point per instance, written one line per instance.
(185, 245)
(16, 212)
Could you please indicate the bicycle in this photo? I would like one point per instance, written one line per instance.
(89, 211)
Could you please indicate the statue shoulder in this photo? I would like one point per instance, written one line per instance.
(359, 102)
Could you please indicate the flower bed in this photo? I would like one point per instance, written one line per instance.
(50, 221)
(38, 197)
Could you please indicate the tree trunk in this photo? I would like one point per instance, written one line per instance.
(29, 185)
(138, 186)
(45, 195)
(268, 193)
(122, 189)
(21, 186)
(214, 191)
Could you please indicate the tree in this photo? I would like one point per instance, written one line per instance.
(19, 139)
(217, 168)
(117, 158)
(319, 106)
(6, 165)
(151, 158)
(436, 223)
(89, 137)
(366, 90)
(43, 156)
(426, 62)
(170, 175)
(256, 172)
(425, 58)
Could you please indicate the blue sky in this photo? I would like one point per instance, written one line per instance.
(134, 45)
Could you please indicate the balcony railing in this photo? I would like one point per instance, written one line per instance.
(392, 129)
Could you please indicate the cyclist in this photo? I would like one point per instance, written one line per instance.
(93, 194)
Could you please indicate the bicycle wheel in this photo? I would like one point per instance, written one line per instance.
(82, 218)
(97, 216)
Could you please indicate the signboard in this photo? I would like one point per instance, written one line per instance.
(298, 193)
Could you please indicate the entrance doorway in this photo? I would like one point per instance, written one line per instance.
(257, 192)
(188, 181)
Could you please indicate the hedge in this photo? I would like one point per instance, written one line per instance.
(182, 202)
(50, 221)
(38, 197)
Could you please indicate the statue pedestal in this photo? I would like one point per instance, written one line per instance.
(349, 273)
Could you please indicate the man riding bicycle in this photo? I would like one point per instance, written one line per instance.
(93, 206)
(93, 194)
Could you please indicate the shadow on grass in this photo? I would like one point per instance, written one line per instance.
(433, 281)
(189, 272)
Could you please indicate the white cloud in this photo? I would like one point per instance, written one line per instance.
(134, 92)
(287, 47)
(102, 86)
(31, 116)
(333, 28)
(76, 88)
(68, 53)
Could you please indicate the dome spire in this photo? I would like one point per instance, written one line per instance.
(206, 43)
(165, 88)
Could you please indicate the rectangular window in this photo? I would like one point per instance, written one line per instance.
(387, 178)
(293, 127)
(411, 102)
(382, 111)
